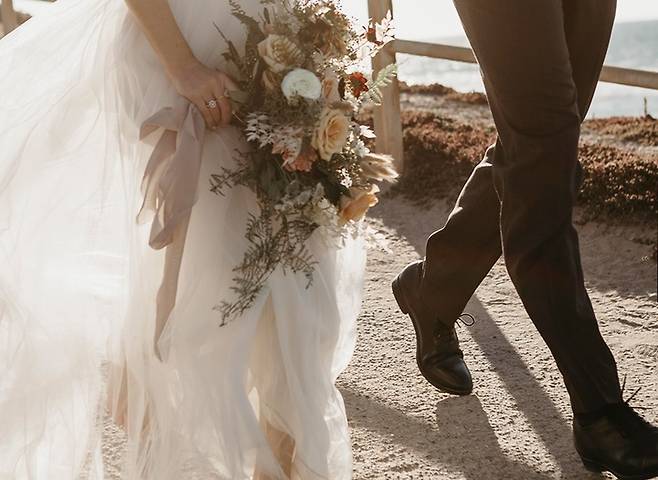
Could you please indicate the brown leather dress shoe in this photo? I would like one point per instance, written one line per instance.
(438, 355)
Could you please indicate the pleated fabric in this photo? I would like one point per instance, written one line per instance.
(79, 281)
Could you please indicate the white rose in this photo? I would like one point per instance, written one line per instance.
(331, 135)
(301, 83)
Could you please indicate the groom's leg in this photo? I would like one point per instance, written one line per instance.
(524, 51)
(460, 255)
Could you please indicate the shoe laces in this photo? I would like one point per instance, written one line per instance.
(628, 420)
(469, 323)
(442, 332)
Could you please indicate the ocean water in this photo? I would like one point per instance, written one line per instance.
(633, 45)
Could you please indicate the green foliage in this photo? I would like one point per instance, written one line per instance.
(383, 79)
(269, 247)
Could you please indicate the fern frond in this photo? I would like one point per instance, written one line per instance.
(384, 78)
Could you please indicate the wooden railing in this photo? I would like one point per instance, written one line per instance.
(388, 125)
(9, 16)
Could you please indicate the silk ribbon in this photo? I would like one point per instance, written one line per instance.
(172, 173)
(170, 189)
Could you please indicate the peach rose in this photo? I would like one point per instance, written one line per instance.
(331, 135)
(279, 53)
(355, 206)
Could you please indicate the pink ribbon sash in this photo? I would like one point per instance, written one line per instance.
(170, 189)
(172, 173)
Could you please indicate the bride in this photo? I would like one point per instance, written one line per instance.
(93, 318)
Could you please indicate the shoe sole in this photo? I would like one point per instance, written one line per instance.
(597, 467)
(404, 307)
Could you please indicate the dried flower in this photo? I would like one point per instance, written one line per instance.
(330, 84)
(302, 162)
(323, 36)
(371, 34)
(279, 53)
(379, 167)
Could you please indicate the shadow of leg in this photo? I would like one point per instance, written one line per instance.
(463, 441)
(532, 399)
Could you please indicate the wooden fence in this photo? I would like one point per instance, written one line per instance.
(9, 16)
(388, 126)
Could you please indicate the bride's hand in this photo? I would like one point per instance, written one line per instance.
(206, 88)
(202, 86)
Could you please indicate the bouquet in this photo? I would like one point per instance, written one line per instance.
(301, 90)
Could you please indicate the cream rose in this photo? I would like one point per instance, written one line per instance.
(355, 206)
(301, 83)
(330, 87)
(331, 135)
(279, 53)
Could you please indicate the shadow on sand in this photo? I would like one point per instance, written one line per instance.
(462, 421)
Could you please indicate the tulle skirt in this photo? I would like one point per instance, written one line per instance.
(79, 281)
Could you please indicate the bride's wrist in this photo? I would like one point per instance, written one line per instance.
(179, 68)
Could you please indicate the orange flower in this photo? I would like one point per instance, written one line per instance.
(356, 205)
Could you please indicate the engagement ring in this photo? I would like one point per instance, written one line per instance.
(211, 104)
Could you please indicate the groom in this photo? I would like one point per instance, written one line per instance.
(541, 61)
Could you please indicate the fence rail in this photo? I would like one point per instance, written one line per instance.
(387, 117)
(621, 76)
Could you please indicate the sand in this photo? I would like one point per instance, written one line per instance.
(516, 425)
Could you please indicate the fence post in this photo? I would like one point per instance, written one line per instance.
(9, 17)
(387, 118)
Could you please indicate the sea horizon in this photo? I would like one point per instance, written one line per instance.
(633, 45)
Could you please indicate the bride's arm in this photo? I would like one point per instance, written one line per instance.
(191, 78)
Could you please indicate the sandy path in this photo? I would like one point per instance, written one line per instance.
(516, 425)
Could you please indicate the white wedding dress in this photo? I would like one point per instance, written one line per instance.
(79, 282)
